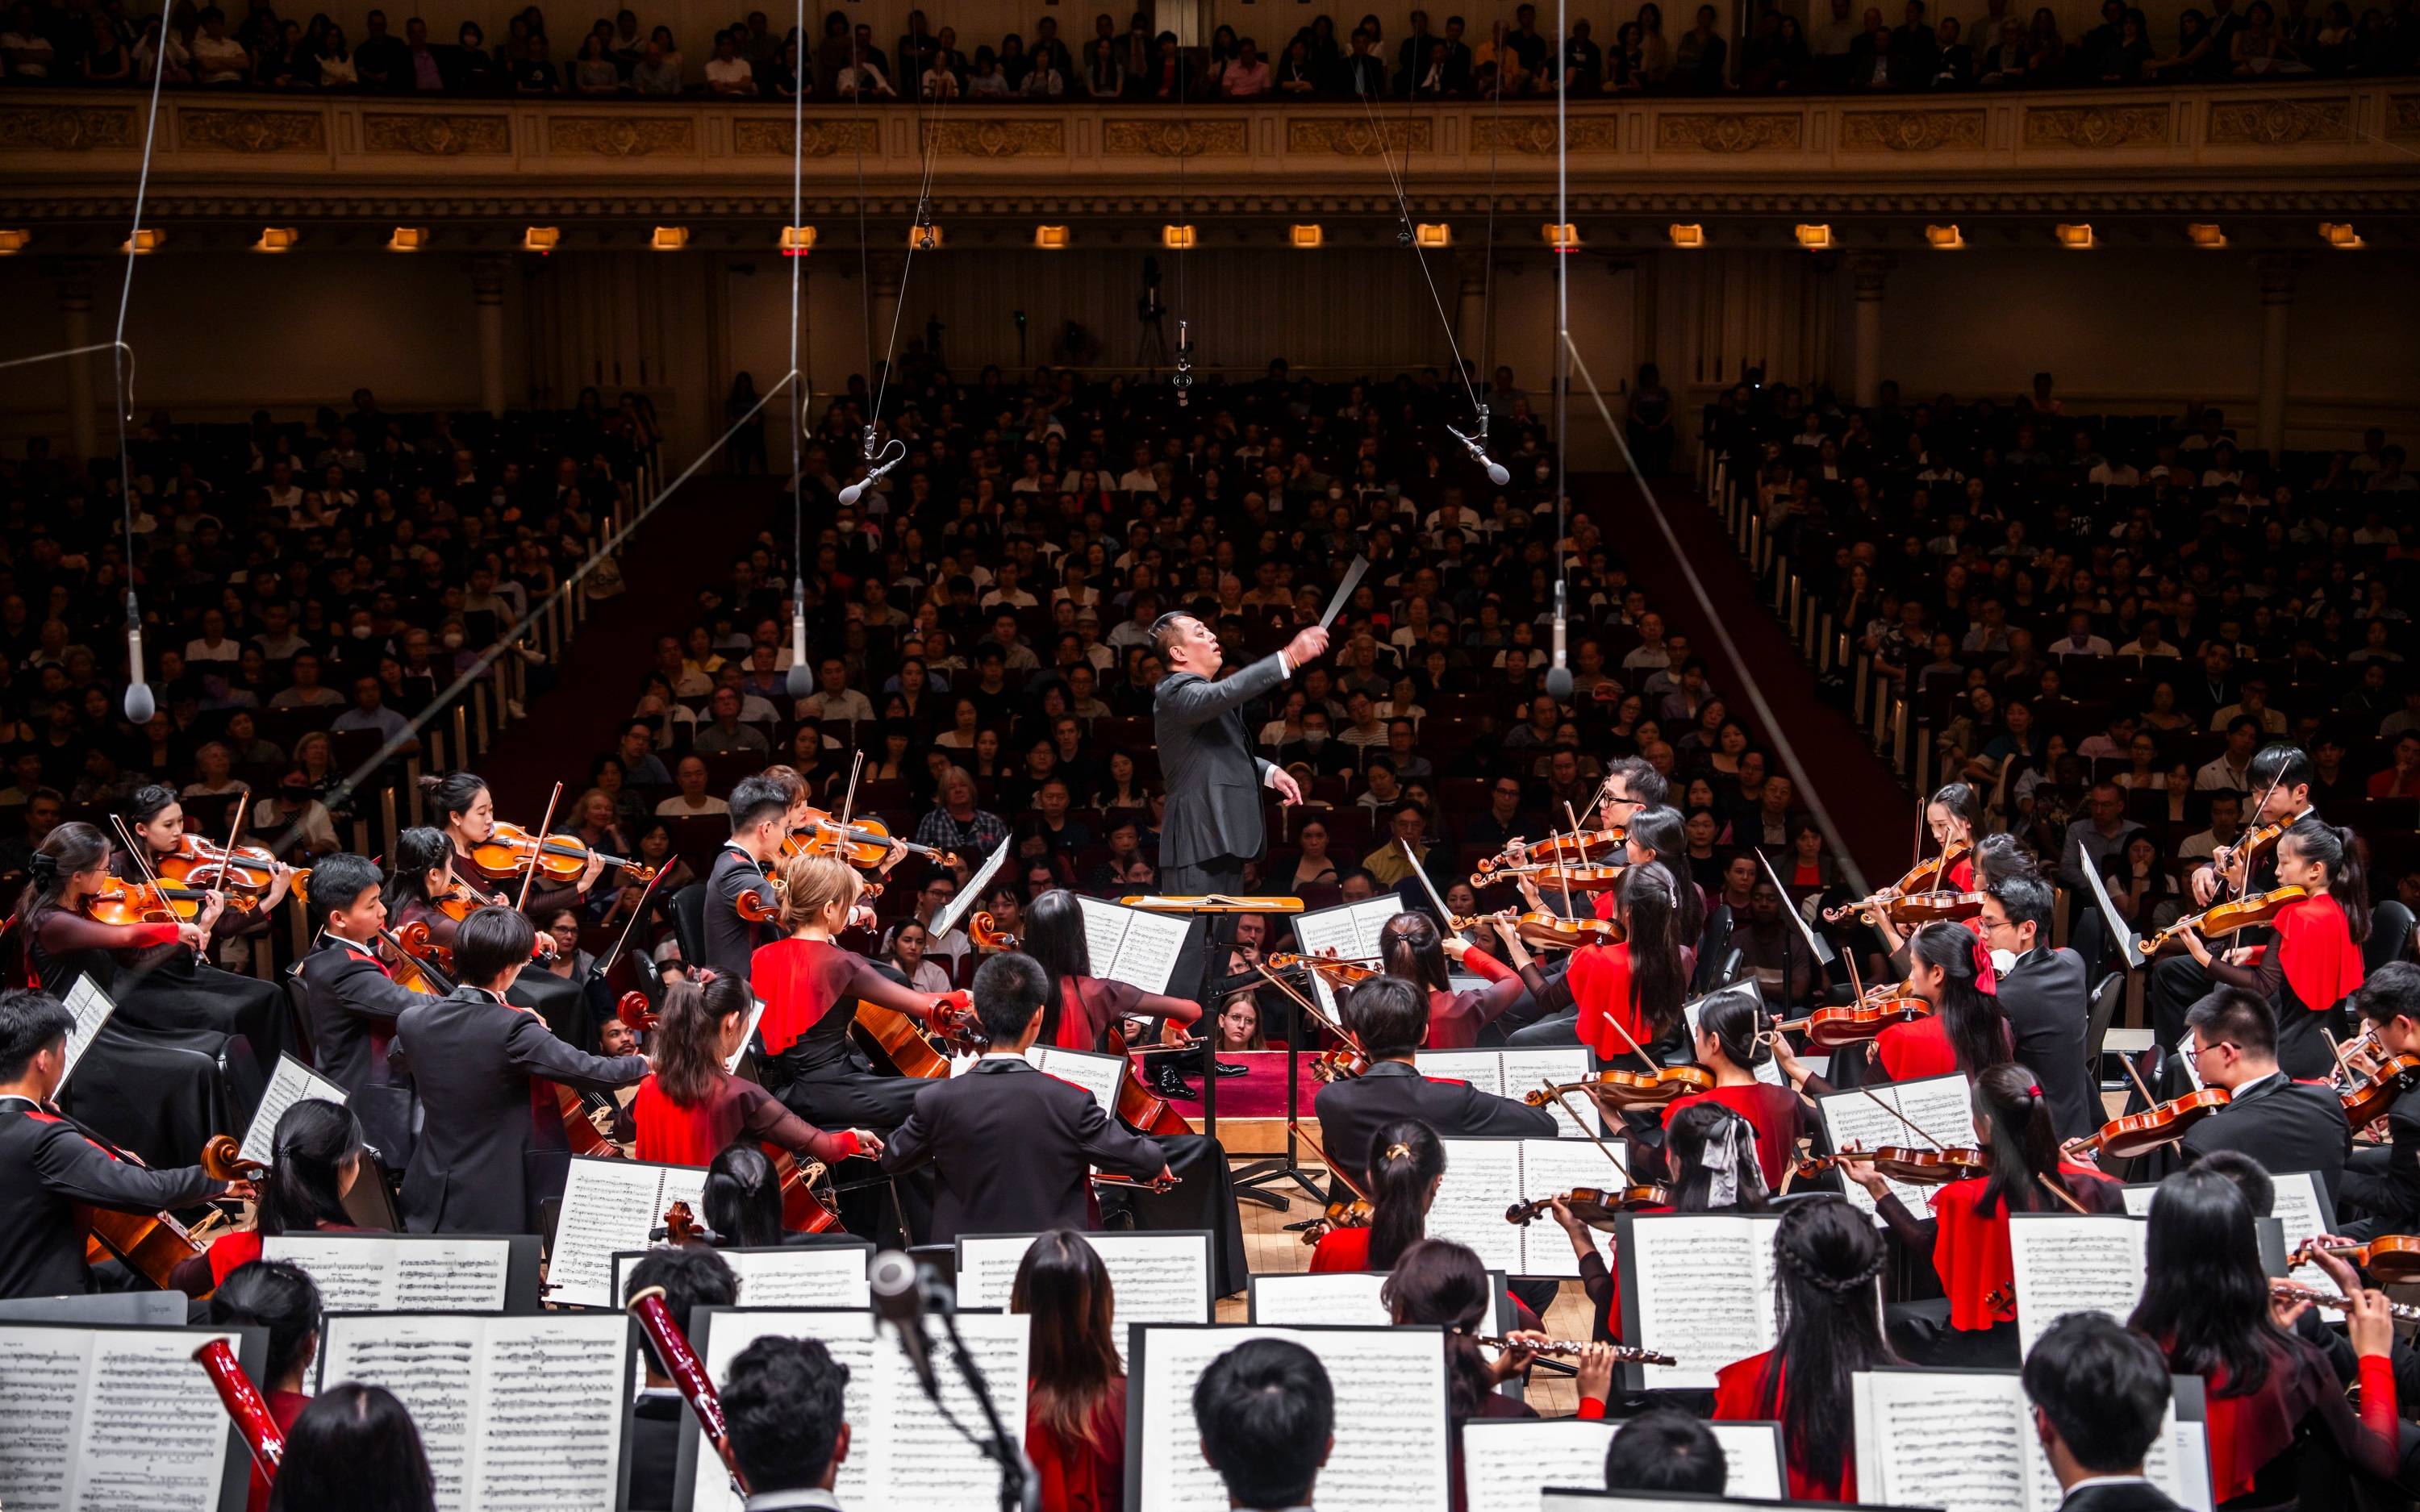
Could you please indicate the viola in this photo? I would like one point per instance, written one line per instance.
(1594, 1206)
(1909, 1165)
(862, 842)
(2393, 1259)
(1578, 845)
(1923, 876)
(2165, 1124)
(2226, 919)
(1549, 929)
(222, 1160)
(1590, 876)
(1632, 1089)
(1828, 1028)
(155, 903)
(509, 850)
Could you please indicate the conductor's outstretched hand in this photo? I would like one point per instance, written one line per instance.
(1307, 645)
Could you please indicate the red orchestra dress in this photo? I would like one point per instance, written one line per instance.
(2249, 1433)
(1772, 1112)
(1455, 1019)
(810, 989)
(284, 1406)
(2313, 966)
(671, 1134)
(1739, 1397)
(1970, 1248)
(1083, 1474)
(1598, 978)
(1910, 1052)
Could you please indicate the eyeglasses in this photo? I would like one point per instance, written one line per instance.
(2201, 1050)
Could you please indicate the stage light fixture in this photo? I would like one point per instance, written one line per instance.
(541, 239)
(277, 238)
(1177, 238)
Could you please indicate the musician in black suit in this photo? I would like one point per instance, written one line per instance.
(486, 1157)
(691, 1276)
(2384, 1181)
(49, 1167)
(1389, 1017)
(760, 811)
(2043, 995)
(2100, 1392)
(348, 999)
(1013, 1147)
(2284, 1124)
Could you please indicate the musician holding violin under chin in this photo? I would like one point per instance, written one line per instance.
(2384, 1183)
(469, 810)
(350, 997)
(2279, 778)
(49, 1168)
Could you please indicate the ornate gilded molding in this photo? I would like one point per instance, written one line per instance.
(253, 131)
(2097, 128)
(1910, 130)
(66, 128)
(1352, 138)
(2403, 115)
(820, 139)
(1598, 133)
(1216, 138)
(2280, 123)
(437, 136)
(1727, 132)
(997, 138)
(622, 136)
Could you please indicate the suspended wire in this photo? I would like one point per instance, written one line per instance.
(918, 221)
(1411, 239)
(1487, 264)
(798, 401)
(1563, 256)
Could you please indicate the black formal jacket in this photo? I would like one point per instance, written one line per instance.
(1352, 1112)
(655, 1450)
(346, 993)
(48, 1168)
(1206, 756)
(2133, 1496)
(2285, 1125)
(1014, 1149)
(2049, 1010)
(472, 1057)
(730, 940)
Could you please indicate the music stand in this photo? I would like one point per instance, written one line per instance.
(1247, 1181)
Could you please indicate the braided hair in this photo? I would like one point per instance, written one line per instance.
(1827, 1327)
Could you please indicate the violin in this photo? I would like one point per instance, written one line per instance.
(863, 843)
(1632, 1089)
(1575, 846)
(1828, 1028)
(2252, 844)
(1908, 1165)
(459, 900)
(754, 906)
(2390, 1257)
(420, 964)
(1594, 1206)
(2373, 1090)
(1577, 876)
(2226, 919)
(1923, 876)
(2125, 1138)
(155, 903)
(1549, 929)
(196, 862)
(1352, 1210)
(1339, 971)
(222, 1160)
(509, 850)
(1916, 908)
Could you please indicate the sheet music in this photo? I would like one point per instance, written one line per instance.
(401, 1273)
(2067, 1263)
(797, 1276)
(1350, 931)
(1550, 1167)
(1154, 1277)
(1964, 1442)
(964, 902)
(1289, 1299)
(1514, 1073)
(1391, 1427)
(905, 1457)
(1941, 1107)
(1482, 1069)
(93, 1420)
(2298, 1208)
(514, 1412)
(91, 1007)
(2186, 1450)
(747, 1035)
(611, 1205)
(1702, 1286)
(1506, 1465)
(1133, 945)
(1482, 1177)
(292, 1081)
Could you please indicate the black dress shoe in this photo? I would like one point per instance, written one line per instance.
(1230, 1068)
(1167, 1084)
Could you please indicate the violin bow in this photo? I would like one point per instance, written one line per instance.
(226, 861)
(2244, 886)
(631, 923)
(848, 799)
(2137, 1077)
(136, 852)
(1897, 1114)
(1562, 868)
(538, 854)
(1312, 1008)
(1445, 915)
(1563, 1101)
(1333, 1169)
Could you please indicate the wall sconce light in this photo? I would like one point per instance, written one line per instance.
(2339, 234)
(2205, 234)
(408, 238)
(1815, 237)
(1177, 238)
(1944, 238)
(1561, 238)
(798, 240)
(2076, 237)
(277, 238)
(1687, 235)
(1052, 238)
(13, 242)
(142, 241)
(1305, 237)
(541, 239)
(924, 238)
(669, 237)
(1433, 234)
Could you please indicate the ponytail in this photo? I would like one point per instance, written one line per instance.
(1405, 1157)
(1971, 1016)
(1737, 1021)
(2024, 1142)
(1409, 947)
(1650, 922)
(2346, 857)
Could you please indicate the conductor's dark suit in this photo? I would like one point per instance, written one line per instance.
(1014, 1149)
(1213, 823)
(1351, 1113)
(2044, 996)
(487, 1153)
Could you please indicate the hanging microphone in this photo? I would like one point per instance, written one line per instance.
(1558, 676)
(856, 491)
(1477, 446)
(140, 704)
(898, 1292)
(801, 682)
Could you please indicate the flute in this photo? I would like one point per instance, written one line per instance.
(2403, 1312)
(687, 1371)
(244, 1404)
(1622, 1353)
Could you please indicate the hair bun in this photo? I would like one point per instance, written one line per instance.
(44, 868)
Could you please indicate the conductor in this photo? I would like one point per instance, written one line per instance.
(1213, 823)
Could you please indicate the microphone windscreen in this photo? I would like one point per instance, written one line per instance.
(800, 681)
(140, 705)
(1497, 475)
(1558, 683)
(851, 494)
